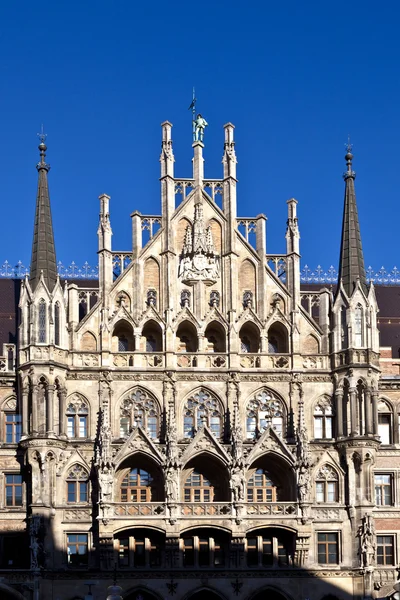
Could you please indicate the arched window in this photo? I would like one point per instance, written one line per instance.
(204, 548)
(77, 485)
(136, 486)
(57, 324)
(202, 409)
(152, 336)
(186, 337)
(260, 487)
(323, 419)
(358, 326)
(249, 336)
(139, 548)
(77, 419)
(123, 340)
(277, 338)
(198, 488)
(385, 422)
(271, 547)
(42, 324)
(327, 485)
(139, 410)
(262, 411)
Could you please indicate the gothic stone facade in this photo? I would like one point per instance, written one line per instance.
(197, 420)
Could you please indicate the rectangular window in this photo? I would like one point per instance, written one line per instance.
(123, 552)
(188, 553)
(328, 428)
(71, 491)
(77, 549)
(82, 427)
(383, 490)
(71, 427)
(385, 550)
(384, 428)
(320, 495)
(318, 428)
(13, 428)
(13, 489)
(328, 551)
(331, 491)
(252, 553)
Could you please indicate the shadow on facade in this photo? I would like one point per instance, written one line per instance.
(33, 568)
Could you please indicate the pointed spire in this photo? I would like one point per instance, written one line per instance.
(43, 258)
(351, 264)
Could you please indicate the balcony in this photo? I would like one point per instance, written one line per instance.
(206, 510)
(211, 360)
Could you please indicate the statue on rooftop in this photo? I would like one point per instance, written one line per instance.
(199, 125)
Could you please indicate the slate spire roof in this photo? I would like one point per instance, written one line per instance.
(351, 263)
(43, 251)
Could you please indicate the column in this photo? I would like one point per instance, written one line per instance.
(339, 412)
(35, 409)
(353, 411)
(368, 413)
(50, 409)
(62, 395)
(375, 411)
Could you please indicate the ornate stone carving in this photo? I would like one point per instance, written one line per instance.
(366, 535)
(198, 261)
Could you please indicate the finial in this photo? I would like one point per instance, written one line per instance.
(349, 159)
(42, 147)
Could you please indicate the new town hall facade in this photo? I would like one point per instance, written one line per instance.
(196, 423)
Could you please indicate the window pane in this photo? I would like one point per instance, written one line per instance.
(318, 430)
(384, 427)
(251, 428)
(71, 427)
(82, 427)
(332, 497)
(188, 426)
(71, 489)
(152, 427)
(328, 427)
(83, 491)
(320, 496)
(124, 426)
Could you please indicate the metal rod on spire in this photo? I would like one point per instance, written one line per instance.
(192, 107)
(42, 135)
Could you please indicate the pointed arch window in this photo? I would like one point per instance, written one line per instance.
(57, 324)
(42, 322)
(77, 419)
(137, 486)
(77, 485)
(202, 409)
(358, 326)
(139, 410)
(327, 485)
(264, 410)
(260, 488)
(323, 419)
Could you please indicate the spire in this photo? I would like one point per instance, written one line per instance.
(351, 264)
(43, 251)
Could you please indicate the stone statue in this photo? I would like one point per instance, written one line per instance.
(303, 482)
(366, 533)
(35, 548)
(171, 485)
(238, 484)
(105, 484)
(199, 125)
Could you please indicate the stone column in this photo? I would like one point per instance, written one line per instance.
(339, 412)
(368, 413)
(50, 409)
(375, 411)
(353, 411)
(62, 409)
(35, 409)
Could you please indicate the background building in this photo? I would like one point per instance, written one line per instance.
(196, 418)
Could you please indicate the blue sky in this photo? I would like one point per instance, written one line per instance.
(294, 77)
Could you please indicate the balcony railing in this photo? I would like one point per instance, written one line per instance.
(153, 360)
(197, 510)
(210, 360)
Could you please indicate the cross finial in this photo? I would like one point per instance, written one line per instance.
(348, 145)
(42, 135)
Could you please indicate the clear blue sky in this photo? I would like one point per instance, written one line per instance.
(294, 77)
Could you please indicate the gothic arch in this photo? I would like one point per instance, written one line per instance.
(198, 394)
(269, 591)
(213, 525)
(255, 396)
(204, 593)
(182, 225)
(134, 394)
(144, 591)
(88, 342)
(278, 337)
